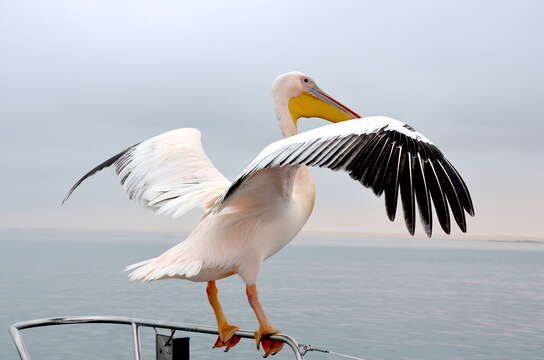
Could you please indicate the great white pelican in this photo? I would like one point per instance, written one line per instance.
(250, 219)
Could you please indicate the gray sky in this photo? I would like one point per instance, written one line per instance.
(81, 80)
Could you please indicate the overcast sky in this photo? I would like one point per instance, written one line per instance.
(81, 80)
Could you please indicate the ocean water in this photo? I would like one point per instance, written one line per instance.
(376, 299)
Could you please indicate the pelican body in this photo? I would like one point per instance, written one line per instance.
(263, 209)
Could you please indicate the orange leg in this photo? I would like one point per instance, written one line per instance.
(270, 347)
(226, 331)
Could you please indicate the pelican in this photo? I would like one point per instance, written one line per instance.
(251, 218)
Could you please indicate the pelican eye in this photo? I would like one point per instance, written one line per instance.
(305, 80)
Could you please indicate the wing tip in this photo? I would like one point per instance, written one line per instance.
(98, 168)
(463, 226)
(72, 189)
(428, 230)
(445, 223)
(391, 213)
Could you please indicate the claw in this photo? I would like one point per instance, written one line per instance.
(227, 344)
(218, 343)
(270, 347)
(231, 342)
(227, 338)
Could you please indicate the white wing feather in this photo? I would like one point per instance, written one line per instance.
(169, 173)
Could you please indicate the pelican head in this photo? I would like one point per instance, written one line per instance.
(303, 98)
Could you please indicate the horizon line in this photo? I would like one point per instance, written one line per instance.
(306, 232)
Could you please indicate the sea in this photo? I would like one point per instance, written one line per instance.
(370, 298)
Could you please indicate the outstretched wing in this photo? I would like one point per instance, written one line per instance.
(384, 155)
(169, 173)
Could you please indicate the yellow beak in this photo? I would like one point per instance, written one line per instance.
(316, 103)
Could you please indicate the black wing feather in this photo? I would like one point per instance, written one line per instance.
(453, 198)
(439, 200)
(392, 184)
(377, 157)
(122, 159)
(422, 195)
(407, 192)
(460, 186)
(385, 160)
(337, 150)
(381, 174)
(352, 148)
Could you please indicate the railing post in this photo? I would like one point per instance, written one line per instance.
(136, 339)
(19, 343)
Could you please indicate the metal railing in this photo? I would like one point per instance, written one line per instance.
(15, 330)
